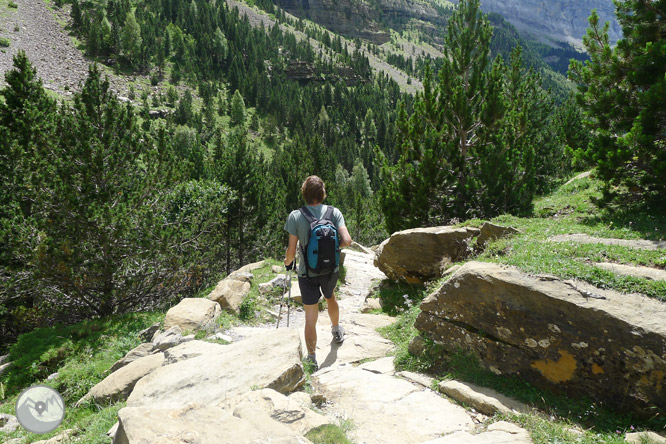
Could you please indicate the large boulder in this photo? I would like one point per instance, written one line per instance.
(231, 291)
(421, 254)
(193, 314)
(269, 359)
(118, 385)
(562, 335)
(201, 424)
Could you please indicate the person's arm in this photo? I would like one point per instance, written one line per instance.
(290, 254)
(345, 238)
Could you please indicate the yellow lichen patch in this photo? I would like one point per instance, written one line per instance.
(557, 371)
(596, 369)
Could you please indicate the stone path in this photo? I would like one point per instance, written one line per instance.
(586, 239)
(636, 271)
(360, 384)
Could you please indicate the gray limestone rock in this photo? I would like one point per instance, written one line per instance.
(560, 335)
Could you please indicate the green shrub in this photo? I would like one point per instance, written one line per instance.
(4, 42)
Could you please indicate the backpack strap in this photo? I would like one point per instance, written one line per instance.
(310, 218)
(329, 214)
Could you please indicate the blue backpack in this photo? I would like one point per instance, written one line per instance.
(322, 253)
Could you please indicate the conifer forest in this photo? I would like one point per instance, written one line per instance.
(110, 205)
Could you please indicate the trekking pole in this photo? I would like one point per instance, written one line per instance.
(288, 300)
(289, 296)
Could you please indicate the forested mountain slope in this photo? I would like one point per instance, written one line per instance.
(228, 107)
(555, 21)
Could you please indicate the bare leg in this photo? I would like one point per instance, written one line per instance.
(333, 310)
(311, 314)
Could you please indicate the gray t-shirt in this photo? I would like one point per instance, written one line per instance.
(299, 226)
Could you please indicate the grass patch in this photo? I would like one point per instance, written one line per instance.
(572, 209)
(5, 42)
(398, 297)
(81, 354)
(328, 434)
(255, 307)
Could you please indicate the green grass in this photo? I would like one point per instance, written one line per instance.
(254, 308)
(81, 354)
(5, 42)
(328, 434)
(571, 209)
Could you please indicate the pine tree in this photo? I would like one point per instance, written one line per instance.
(468, 148)
(237, 113)
(621, 91)
(28, 120)
(131, 39)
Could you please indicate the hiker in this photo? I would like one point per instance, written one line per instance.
(312, 281)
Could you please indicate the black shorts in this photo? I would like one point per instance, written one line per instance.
(313, 287)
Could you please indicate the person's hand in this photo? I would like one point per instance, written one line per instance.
(290, 266)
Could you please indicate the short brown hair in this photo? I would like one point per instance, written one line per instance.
(313, 190)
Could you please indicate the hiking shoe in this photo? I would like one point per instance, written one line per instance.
(339, 335)
(311, 361)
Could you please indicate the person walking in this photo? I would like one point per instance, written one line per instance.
(311, 283)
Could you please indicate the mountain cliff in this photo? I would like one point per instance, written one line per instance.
(556, 20)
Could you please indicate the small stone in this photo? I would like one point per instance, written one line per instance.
(276, 269)
(221, 337)
(52, 376)
(319, 399)
(8, 423)
(417, 346)
(113, 430)
(147, 334)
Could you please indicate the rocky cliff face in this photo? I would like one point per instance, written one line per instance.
(357, 18)
(555, 20)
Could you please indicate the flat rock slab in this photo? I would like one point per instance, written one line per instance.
(388, 410)
(270, 359)
(286, 410)
(498, 433)
(361, 339)
(644, 438)
(653, 274)
(200, 424)
(192, 349)
(483, 399)
(586, 239)
(383, 366)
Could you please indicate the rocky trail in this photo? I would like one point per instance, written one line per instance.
(252, 390)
